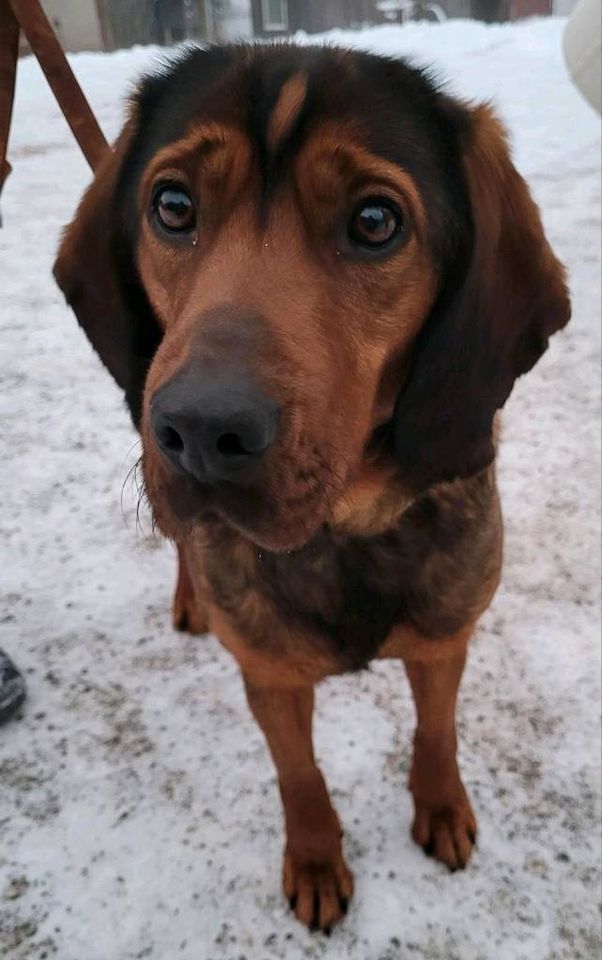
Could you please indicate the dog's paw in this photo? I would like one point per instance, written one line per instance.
(318, 893)
(448, 834)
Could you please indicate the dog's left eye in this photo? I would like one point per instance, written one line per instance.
(174, 209)
(375, 223)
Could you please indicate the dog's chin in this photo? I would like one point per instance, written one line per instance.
(271, 524)
(276, 537)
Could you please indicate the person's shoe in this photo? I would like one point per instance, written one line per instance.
(12, 688)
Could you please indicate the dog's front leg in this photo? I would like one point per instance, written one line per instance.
(316, 878)
(189, 613)
(444, 824)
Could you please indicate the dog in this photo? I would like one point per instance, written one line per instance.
(316, 277)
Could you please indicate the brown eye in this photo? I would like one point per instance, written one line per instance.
(375, 223)
(174, 209)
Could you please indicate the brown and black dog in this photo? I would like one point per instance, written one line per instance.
(317, 277)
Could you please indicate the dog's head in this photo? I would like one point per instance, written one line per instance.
(296, 259)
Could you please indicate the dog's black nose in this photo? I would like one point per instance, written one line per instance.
(213, 429)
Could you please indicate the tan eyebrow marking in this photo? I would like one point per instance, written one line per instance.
(286, 111)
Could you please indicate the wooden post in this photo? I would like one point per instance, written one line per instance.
(46, 47)
(9, 51)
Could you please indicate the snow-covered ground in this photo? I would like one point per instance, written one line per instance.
(139, 816)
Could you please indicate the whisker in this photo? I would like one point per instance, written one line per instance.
(131, 477)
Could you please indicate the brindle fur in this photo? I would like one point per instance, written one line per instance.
(434, 570)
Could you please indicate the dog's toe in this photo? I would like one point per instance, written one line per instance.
(319, 893)
(448, 835)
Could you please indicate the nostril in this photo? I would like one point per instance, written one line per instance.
(229, 445)
(212, 431)
(171, 439)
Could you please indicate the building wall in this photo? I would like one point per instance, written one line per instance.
(498, 11)
(456, 8)
(316, 16)
(360, 12)
(518, 9)
(235, 20)
(111, 24)
(127, 22)
(79, 26)
(76, 23)
(164, 22)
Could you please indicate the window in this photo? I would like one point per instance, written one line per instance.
(274, 14)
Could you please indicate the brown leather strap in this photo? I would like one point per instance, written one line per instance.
(9, 49)
(47, 49)
(29, 15)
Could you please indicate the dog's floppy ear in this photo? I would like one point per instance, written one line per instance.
(490, 324)
(98, 276)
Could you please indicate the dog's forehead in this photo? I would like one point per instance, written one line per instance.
(277, 94)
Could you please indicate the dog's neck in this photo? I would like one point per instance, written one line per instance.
(373, 501)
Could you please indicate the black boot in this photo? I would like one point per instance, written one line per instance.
(12, 688)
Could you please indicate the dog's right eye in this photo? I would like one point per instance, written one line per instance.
(173, 208)
(375, 223)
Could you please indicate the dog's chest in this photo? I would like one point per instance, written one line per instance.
(344, 595)
(323, 595)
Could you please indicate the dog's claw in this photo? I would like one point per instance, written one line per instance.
(318, 893)
(446, 834)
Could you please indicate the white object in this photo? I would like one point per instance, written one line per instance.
(582, 49)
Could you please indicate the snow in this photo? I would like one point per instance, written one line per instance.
(138, 809)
